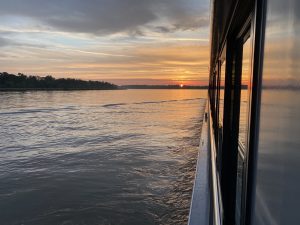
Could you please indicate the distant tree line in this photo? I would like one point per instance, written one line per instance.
(21, 81)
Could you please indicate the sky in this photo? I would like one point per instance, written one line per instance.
(121, 41)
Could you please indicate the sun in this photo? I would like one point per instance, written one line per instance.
(181, 85)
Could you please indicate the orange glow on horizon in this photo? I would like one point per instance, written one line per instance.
(186, 64)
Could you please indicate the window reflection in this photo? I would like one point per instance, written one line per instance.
(244, 102)
(222, 90)
(243, 127)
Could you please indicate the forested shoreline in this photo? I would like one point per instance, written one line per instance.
(30, 82)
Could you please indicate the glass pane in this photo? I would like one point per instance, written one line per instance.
(278, 162)
(222, 90)
(243, 126)
(216, 93)
(244, 103)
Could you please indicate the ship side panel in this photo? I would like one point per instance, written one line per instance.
(277, 189)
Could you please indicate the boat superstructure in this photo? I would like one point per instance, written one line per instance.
(248, 169)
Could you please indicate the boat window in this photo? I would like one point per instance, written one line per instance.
(243, 127)
(220, 113)
(215, 100)
(222, 90)
(244, 102)
(216, 92)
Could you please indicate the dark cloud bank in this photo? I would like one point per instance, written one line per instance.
(102, 17)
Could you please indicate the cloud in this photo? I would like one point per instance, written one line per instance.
(106, 39)
(3, 42)
(102, 17)
(152, 61)
(192, 23)
(183, 25)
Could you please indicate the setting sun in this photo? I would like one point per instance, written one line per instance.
(181, 85)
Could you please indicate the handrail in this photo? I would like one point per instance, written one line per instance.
(215, 186)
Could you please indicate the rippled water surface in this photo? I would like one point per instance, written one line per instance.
(98, 157)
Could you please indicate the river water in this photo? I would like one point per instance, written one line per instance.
(123, 157)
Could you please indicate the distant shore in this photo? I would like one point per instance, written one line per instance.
(120, 88)
(22, 82)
